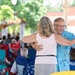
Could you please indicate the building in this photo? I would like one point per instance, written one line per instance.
(71, 18)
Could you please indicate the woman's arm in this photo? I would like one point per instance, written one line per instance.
(63, 41)
(29, 39)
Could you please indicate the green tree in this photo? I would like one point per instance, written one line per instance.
(17, 8)
(33, 11)
(30, 10)
(73, 3)
(56, 8)
(5, 2)
(6, 12)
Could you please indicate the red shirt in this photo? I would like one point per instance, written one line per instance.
(15, 46)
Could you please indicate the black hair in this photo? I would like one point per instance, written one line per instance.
(72, 53)
(4, 37)
(17, 38)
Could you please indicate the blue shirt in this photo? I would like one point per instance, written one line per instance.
(72, 64)
(30, 59)
(63, 59)
(25, 66)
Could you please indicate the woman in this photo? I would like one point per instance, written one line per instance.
(46, 61)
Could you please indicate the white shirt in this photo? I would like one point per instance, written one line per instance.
(49, 48)
(17, 69)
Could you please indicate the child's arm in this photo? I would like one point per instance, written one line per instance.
(13, 68)
(6, 61)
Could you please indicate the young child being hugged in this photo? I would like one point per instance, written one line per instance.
(20, 62)
(72, 59)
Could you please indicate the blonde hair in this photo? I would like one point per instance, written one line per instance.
(45, 27)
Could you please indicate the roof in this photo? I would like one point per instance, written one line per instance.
(11, 22)
(71, 15)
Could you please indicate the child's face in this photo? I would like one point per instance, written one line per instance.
(24, 52)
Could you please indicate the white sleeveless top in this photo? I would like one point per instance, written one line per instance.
(49, 48)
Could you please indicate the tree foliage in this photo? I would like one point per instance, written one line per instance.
(73, 3)
(33, 10)
(6, 12)
(29, 10)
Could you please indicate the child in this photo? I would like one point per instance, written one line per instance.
(20, 62)
(72, 59)
(26, 60)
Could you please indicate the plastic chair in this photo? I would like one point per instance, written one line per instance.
(64, 73)
(2, 66)
(2, 58)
